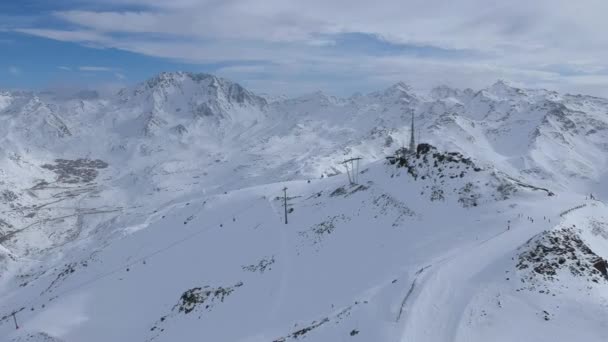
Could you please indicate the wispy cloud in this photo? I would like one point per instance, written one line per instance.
(466, 24)
(13, 70)
(463, 42)
(95, 68)
(88, 68)
(79, 35)
(104, 69)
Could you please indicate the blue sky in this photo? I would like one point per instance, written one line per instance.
(35, 62)
(297, 46)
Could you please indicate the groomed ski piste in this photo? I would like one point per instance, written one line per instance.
(413, 252)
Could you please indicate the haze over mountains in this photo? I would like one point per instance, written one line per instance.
(153, 215)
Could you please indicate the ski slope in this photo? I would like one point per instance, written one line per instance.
(343, 266)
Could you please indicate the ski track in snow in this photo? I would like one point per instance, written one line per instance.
(409, 292)
(435, 313)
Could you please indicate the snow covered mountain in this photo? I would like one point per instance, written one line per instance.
(155, 215)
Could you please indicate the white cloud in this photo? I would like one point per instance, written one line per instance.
(463, 24)
(321, 42)
(66, 35)
(64, 68)
(525, 41)
(13, 70)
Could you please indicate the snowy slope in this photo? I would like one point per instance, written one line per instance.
(159, 126)
(344, 263)
(154, 215)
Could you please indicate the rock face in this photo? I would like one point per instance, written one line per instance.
(559, 254)
(451, 174)
(602, 266)
(76, 171)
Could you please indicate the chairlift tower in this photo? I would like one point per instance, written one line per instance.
(352, 169)
(285, 202)
(412, 139)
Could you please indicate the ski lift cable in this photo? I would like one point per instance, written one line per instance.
(126, 265)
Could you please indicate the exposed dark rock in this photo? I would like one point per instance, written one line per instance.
(556, 253)
(35, 337)
(301, 332)
(602, 266)
(388, 205)
(469, 195)
(436, 169)
(195, 297)
(76, 171)
(424, 148)
(9, 196)
(338, 192)
(261, 266)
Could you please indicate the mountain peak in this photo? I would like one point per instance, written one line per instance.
(398, 91)
(318, 96)
(503, 86)
(443, 91)
(169, 98)
(166, 78)
(400, 86)
(502, 89)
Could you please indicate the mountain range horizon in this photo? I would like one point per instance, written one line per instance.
(81, 91)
